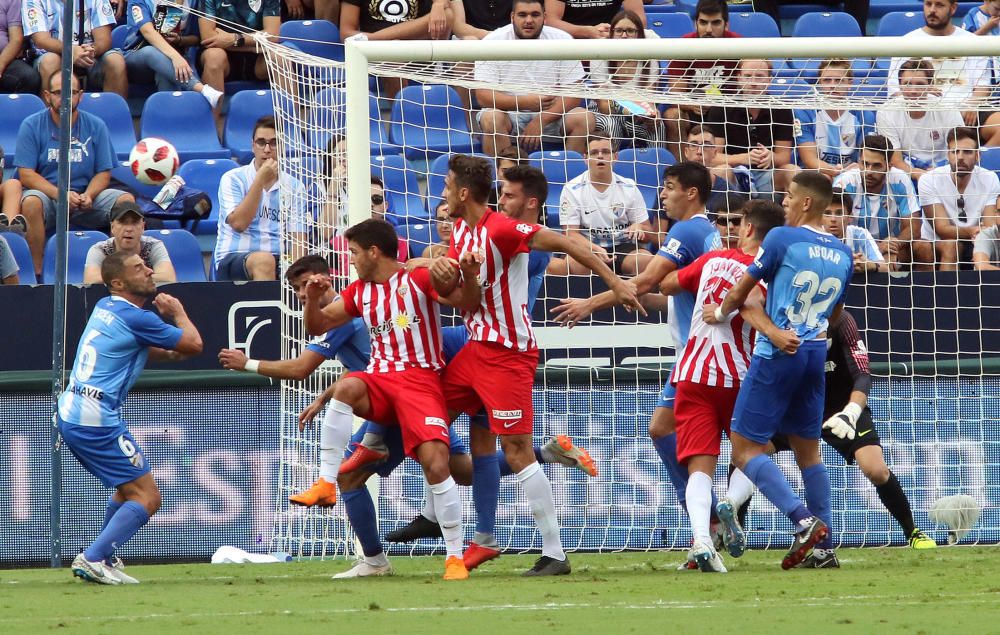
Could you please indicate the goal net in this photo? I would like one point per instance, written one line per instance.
(874, 114)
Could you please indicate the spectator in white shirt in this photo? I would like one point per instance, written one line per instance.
(986, 249)
(839, 221)
(958, 199)
(529, 117)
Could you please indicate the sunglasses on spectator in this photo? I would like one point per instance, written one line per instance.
(962, 216)
(377, 199)
(263, 143)
(728, 220)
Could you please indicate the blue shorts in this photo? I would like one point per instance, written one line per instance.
(109, 453)
(784, 394)
(666, 399)
(393, 438)
(233, 266)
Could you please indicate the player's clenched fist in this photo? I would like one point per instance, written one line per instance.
(470, 262)
(444, 274)
(316, 286)
(232, 359)
(168, 305)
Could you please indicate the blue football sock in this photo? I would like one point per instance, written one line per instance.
(361, 512)
(374, 428)
(817, 482)
(502, 464)
(666, 447)
(767, 476)
(128, 520)
(110, 511)
(486, 491)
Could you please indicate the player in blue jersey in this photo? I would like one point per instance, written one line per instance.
(807, 272)
(115, 344)
(687, 186)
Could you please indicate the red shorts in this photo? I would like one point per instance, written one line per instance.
(497, 378)
(411, 399)
(702, 413)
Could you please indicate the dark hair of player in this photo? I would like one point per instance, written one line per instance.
(731, 203)
(690, 174)
(841, 199)
(114, 266)
(764, 216)
(818, 186)
(712, 7)
(962, 132)
(601, 135)
(532, 181)
(878, 143)
(374, 232)
(312, 263)
(474, 174)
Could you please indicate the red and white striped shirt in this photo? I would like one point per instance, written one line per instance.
(403, 319)
(715, 355)
(502, 316)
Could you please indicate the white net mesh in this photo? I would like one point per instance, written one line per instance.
(934, 349)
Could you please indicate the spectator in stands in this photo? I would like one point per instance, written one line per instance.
(16, 75)
(839, 221)
(726, 212)
(10, 202)
(985, 20)
(227, 53)
(758, 138)
(856, 8)
(250, 237)
(397, 20)
(590, 19)
(692, 79)
(886, 205)
(127, 226)
(958, 200)
(533, 116)
(986, 249)
(94, 58)
(443, 225)
(8, 266)
(508, 158)
(918, 134)
(701, 147)
(154, 49)
(91, 156)
(606, 212)
(634, 123)
(479, 18)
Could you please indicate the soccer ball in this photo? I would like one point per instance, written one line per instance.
(153, 161)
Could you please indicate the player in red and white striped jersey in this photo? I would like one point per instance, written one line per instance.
(496, 369)
(707, 377)
(402, 385)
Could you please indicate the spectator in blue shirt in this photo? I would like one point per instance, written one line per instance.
(91, 159)
(227, 52)
(16, 75)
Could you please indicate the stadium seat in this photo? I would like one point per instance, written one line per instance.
(429, 120)
(989, 158)
(645, 166)
(185, 254)
(314, 37)
(418, 235)
(14, 109)
(401, 188)
(791, 88)
(328, 118)
(204, 174)
(670, 25)
(118, 36)
(659, 9)
(123, 174)
(185, 120)
(113, 111)
(559, 167)
(22, 256)
(900, 23)
(753, 25)
(435, 180)
(871, 88)
(76, 255)
(826, 24)
(245, 108)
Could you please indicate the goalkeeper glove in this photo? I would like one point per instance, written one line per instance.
(844, 424)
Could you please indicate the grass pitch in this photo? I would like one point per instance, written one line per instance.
(953, 590)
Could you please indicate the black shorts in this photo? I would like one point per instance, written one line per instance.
(242, 66)
(865, 436)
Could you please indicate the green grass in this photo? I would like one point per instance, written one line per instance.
(952, 590)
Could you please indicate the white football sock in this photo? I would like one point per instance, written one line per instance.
(448, 506)
(538, 491)
(213, 96)
(699, 505)
(428, 510)
(334, 435)
(740, 488)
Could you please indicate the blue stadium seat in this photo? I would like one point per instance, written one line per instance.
(315, 37)
(559, 167)
(826, 24)
(418, 234)
(185, 120)
(753, 25)
(435, 179)
(113, 111)
(871, 88)
(785, 11)
(22, 256)
(659, 7)
(879, 8)
(429, 120)
(670, 24)
(329, 118)
(401, 188)
(123, 174)
(76, 255)
(14, 109)
(204, 174)
(118, 35)
(900, 23)
(245, 108)
(989, 158)
(791, 88)
(645, 166)
(378, 133)
(185, 254)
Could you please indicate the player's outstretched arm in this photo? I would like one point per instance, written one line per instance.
(296, 369)
(189, 344)
(671, 285)
(320, 320)
(571, 310)
(753, 312)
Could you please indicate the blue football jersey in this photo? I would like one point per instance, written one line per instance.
(349, 344)
(685, 241)
(807, 272)
(110, 357)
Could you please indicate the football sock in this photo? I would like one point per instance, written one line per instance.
(767, 476)
(505, 469)
(666, 447)
(361, 512)
(123, 525)
(817, 483)
(699, 505)
(538, 491)
(428, 510)
(448, 505)
(110, 510)
(485, 491)
(334, 435)
(892, 496)
(740, 488)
